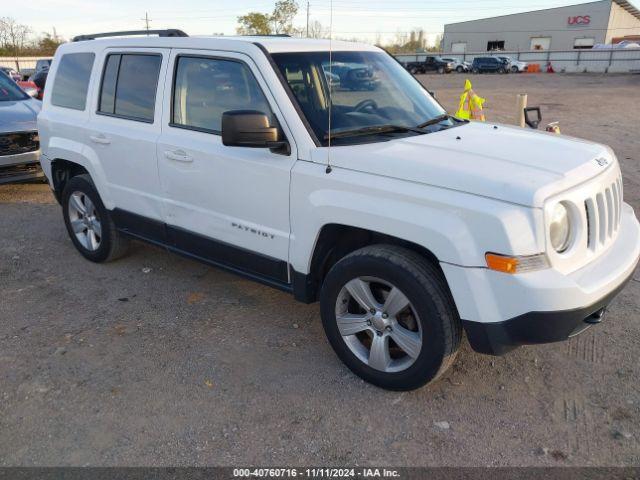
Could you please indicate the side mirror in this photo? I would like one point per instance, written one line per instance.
(532, 116)
(250, 128)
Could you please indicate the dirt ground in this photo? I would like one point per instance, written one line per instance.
(159, 360)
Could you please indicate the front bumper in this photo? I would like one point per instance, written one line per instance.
(20, 159)
(501, 311)
(530, 328)
(20, 167)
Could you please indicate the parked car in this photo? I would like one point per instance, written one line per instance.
(15, 76)
(406, 223)
(489, 64)
(458, 65)
(353, 76)
(19, 143)
(39, 79)
(30, 88)
(41, 64)
(515, 66)
(430, 64)
(332, 78)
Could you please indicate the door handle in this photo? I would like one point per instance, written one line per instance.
(100, 138)
(178, 156)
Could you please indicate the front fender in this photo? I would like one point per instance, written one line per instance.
(458, 228)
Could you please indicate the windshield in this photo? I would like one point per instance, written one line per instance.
(9, 91)
(368, 89)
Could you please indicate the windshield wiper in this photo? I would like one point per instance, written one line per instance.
(373, 130)
(438, 119)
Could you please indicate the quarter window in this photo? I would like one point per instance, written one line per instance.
(129, 85)
(72, 80)
(205, 88)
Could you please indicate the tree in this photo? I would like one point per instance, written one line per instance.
(283, 15)
(48, 44)
(279, 22)
(13, 35)
(254, 23)
(316, 30)
(437, 43)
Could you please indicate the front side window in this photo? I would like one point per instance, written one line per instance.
(205, 88)
(357, 90)
(129, 85)
(72, 80)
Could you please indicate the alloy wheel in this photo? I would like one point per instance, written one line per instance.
(84, 221)
(379, 324)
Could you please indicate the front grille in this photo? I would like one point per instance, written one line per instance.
(603, 215)
(16, 143)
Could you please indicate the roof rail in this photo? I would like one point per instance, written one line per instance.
(170, 32)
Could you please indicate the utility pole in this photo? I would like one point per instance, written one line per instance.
(307, 18)
(146, 20)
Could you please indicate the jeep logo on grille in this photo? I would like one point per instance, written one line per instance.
(603, 162)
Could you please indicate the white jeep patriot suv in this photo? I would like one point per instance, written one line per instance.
(334, 175)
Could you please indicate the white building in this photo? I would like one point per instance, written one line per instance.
(563, 28)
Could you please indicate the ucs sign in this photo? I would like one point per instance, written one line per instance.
(579, 20)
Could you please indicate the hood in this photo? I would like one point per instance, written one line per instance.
(511, 164)
(19, 116)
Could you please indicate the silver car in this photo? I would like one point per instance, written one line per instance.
(19, 142)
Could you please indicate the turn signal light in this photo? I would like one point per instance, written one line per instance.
(518, 264)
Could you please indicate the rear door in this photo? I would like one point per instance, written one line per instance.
(228, 205)
(123, 130)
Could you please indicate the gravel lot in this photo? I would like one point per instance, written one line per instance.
(159, 360)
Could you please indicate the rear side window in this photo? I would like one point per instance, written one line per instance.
(129, 85)
(72, 80)
(205, 88)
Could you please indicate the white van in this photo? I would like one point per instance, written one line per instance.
(407, 224)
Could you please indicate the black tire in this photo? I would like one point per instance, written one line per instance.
(425, 288)
(514, 69)
(502, 70)
(460, 69)
(475, 70)
(413, 70)
(440, 70)
(112, 243)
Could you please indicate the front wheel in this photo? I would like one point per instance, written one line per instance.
(460, 69)
(440, 70)
(475, 70)
(389, 316)
(502, 70)
(413, 70)
(514, 69)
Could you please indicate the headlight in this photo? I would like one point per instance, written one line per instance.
(560, 228)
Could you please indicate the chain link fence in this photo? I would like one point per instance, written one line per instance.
(570, 61)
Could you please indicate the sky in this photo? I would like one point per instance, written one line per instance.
(366, 20)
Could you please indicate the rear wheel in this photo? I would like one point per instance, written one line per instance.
(441, 70)
(460, 69)
(88, 222)
(502, 70)
(413, 70)
(389, 316)
(514, 69)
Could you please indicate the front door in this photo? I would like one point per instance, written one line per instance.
(228, 205)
